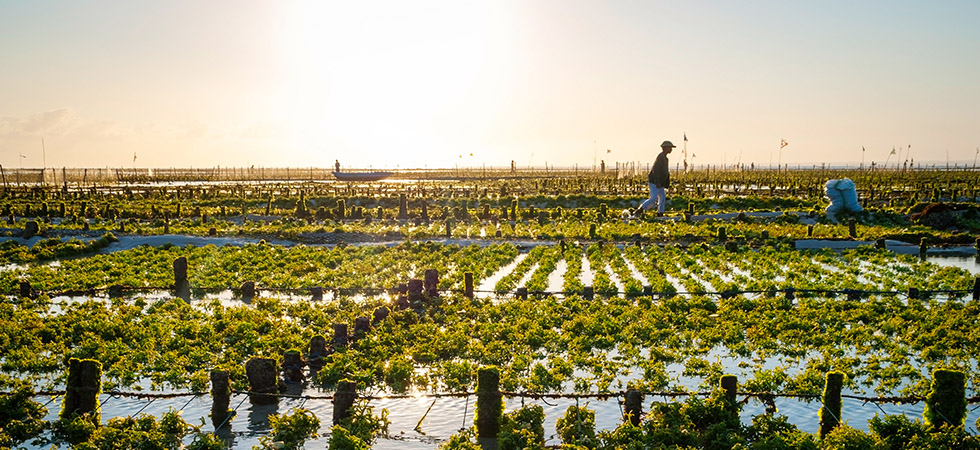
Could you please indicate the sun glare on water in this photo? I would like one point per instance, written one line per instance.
(388, 83)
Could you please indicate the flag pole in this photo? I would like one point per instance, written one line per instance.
(685, 152)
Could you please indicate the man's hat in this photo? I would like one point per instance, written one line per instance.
(667, 144)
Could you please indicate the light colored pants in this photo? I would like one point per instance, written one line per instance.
(658, 196)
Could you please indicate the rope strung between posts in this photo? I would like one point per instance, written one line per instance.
(394, 291)
(188, 403)
(530, 395)
(231, 413)
(53, 397)
(111, 396)
(144, 406)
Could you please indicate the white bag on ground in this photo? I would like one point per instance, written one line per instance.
(842, 195)
(832, 194)
(849, 194)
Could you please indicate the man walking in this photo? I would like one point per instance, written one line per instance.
(659, 179)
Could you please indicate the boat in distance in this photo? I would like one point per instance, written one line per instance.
(361, 176)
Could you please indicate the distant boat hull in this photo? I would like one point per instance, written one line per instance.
(361, 176)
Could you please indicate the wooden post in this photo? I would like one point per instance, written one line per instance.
(946, 402)
(82, 388)
(220, 398)
(489, 403)
(292, 366)
(588, 292)
(852, 228)
(361, 326)
(809, 231)
(722, 234)
(380, 314)
(343, 400)
(181, 285)
(316, 293)
(976, 289)
(633, 406)
(913, 293)
(402, 207)
(248, 290)
(830, 412)
(263, 378)
(431, 283)
(26, 290)
(115, 291)
(415, 287)
(923, 246)
(521, 293)
(339, 335)
(468, 284)
(880, 244)
(729, 383)
(318, 349)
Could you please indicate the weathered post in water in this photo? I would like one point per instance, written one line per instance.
(317, 350)
(82, 388)
(181, 286)
(468, 284)
(248, 291)
(343, 400)
(340, 335)
(263, 379)
(946, 402)
(489, 403)
(830, 412)
(588, 292)
(633, 407)
(729, 384)
(402, 207)
(26, 290)
(431, 284)
(220, 398)
(292, 366)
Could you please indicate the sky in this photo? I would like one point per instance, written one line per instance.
(412, 84)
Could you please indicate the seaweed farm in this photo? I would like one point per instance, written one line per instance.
(494, 309)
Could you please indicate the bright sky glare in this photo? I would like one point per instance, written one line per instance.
(396, 84)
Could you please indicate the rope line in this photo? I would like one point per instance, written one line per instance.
(395, 291)
(231, 414)
(531, 395)
(144, 406)
(188, 403)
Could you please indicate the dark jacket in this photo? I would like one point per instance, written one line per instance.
(660, 174)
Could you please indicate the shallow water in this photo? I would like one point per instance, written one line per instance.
(970, 263)
(449, 414)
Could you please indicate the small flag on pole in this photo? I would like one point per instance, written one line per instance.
(134, 156)
(685, 137)
(893, 151)
(608, 151)
(783, 143)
